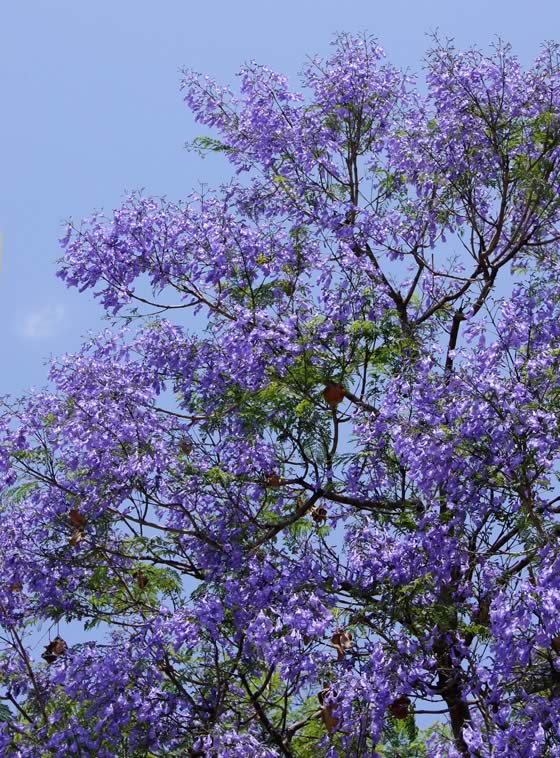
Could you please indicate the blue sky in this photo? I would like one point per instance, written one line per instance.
(91, 108)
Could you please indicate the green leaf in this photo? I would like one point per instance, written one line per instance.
(210, 144)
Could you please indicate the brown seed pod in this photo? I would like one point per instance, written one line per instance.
(141, 579)
(165, 667)
(555, 644)
(333, 393)
(16, 586)
(330, 721)
(76, 537)
(77, 518)
(185, 446)
(273, 480)
(318, 513)
(400, 708)
(58, 646)
(55, 649)
(342, 641)
(483, 612)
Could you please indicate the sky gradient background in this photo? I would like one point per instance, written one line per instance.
(91, 108)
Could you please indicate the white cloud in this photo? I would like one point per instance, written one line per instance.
(43, 322)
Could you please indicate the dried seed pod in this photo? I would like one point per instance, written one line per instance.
(555, 644)
(342, 641)
(323, 693)
(483, 612)
(273, 480)
(77, 518)
(16, 586)
(185, 446)
(418, 506)
(333, 393)
(58, 646)
(330, 721)
(400, 708)
(76, 537)
(55, 649)
(141, 579)
(318, 513)
(165, 667)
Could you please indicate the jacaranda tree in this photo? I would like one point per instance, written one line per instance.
(326, 502)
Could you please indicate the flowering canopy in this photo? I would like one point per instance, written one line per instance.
(330, 505)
